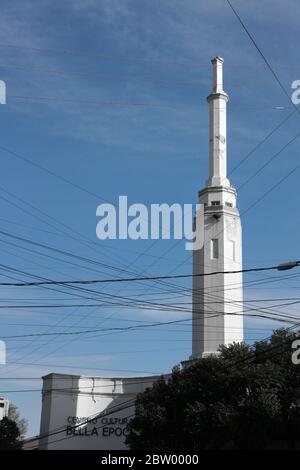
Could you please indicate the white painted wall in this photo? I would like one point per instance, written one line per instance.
(69, 401)
(217, 299)
(4, 406)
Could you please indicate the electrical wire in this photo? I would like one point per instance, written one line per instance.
(147, 278)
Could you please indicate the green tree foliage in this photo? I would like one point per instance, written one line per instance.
(245, 398)
(14, 415)
(9, 435)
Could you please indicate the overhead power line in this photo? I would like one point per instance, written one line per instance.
(269, 316)
(280, 267)
(261, 53)
(135, 60)
(135, 104)
(69, 366)
(103, 56)
(271, 159)
(109, 103)
(106, 77)
(261, 142)
(101, 76)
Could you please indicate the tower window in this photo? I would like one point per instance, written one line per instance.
(214, 248)
(215, 203)
(232, 249)
(229, 204)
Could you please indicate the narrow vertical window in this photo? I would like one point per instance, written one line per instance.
(232, 250)
(214, 248)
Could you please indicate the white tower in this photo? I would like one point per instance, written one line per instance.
(217, 299)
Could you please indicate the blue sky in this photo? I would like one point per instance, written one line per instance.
(151, 153)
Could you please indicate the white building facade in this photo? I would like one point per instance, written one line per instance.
(91, 413)
(4, 407)
(81, 412)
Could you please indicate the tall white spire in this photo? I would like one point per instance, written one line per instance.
(217, 128)
(217, 299)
